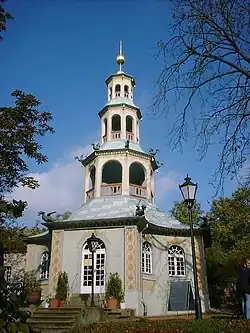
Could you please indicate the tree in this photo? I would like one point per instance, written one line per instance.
(21, 127)
(230, 226)
(181, 213)
(207, 66)
(4, 16)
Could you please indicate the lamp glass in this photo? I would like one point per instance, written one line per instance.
(188, 189)
(93, 243)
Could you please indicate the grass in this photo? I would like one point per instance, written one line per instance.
(171, 326)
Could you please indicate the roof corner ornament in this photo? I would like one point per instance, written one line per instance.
(48, 217)
(96, 146)
(153, 152)
(140, 211)
(126, 144)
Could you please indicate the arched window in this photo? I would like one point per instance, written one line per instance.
(110, 92)
(118, 90)
(111, 178)
(44, 271)
(99, 269)
(176, 261)
(116, 123)
(126, 91)
(137, 180)
(129, 124)
(146, 258)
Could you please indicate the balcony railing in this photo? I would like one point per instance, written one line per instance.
(137, 191)
(116, 135)
(90, 194)
(111, 189)
(129, 136)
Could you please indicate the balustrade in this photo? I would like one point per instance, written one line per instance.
(111, 189)
(116, 135)
(137, 191)
(129, 136)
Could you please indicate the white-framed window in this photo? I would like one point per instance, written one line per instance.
(7, 273)
(147, 258)
(176, 261)
(44, 270)
(99, 269)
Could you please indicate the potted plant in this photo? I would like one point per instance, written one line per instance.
(114, 291)
(48, 299)
(62, 288)
(122, 301)
(32, 287)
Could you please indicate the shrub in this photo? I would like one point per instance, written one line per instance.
(114, 287)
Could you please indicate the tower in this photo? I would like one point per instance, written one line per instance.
(118, 165)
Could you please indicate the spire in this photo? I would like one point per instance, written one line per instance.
(120, 58)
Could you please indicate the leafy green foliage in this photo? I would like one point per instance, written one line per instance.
(4, 16)
(10, 303)
(62, 286)
(114, 287)
(230, 226)
(21, 127)
(31, 283)
(181, 213)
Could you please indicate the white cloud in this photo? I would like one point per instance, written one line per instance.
(165, 183)
(61, 187)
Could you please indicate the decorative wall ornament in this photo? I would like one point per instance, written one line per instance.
(131, 258)
(55, 259)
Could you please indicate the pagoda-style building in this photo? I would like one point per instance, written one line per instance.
(150, 250)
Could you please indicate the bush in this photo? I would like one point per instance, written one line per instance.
(62, 286)
(114, 287)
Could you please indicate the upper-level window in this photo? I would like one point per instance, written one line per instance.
(7, 273)
(116, 123)
(44, 271)
(146, 258)
(118, 90)
(126, 91)
(176, 261)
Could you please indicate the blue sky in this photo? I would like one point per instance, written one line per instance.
(62, 52)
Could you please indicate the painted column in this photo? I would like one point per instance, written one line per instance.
(109, 125)
(55, 261)
(98, 177)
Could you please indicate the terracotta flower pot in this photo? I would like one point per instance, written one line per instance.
(227, 292)
(61, 303)
(54, 303)
(35, 297)
(112, 303)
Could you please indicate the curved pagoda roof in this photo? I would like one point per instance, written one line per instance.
(119, 211)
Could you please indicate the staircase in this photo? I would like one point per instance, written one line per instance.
(78, 312)
(59, 319)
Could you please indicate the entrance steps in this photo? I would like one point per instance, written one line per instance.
(58, 319)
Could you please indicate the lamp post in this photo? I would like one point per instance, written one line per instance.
(188, 191)
(93, 243)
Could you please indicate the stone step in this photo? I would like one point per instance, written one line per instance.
(72, 309)
(52, 316)
(47, 322)
(59, 319)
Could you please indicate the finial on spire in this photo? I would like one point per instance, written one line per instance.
(120, 58)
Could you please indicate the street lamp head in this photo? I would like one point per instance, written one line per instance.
(93, 243)
(188, 190)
